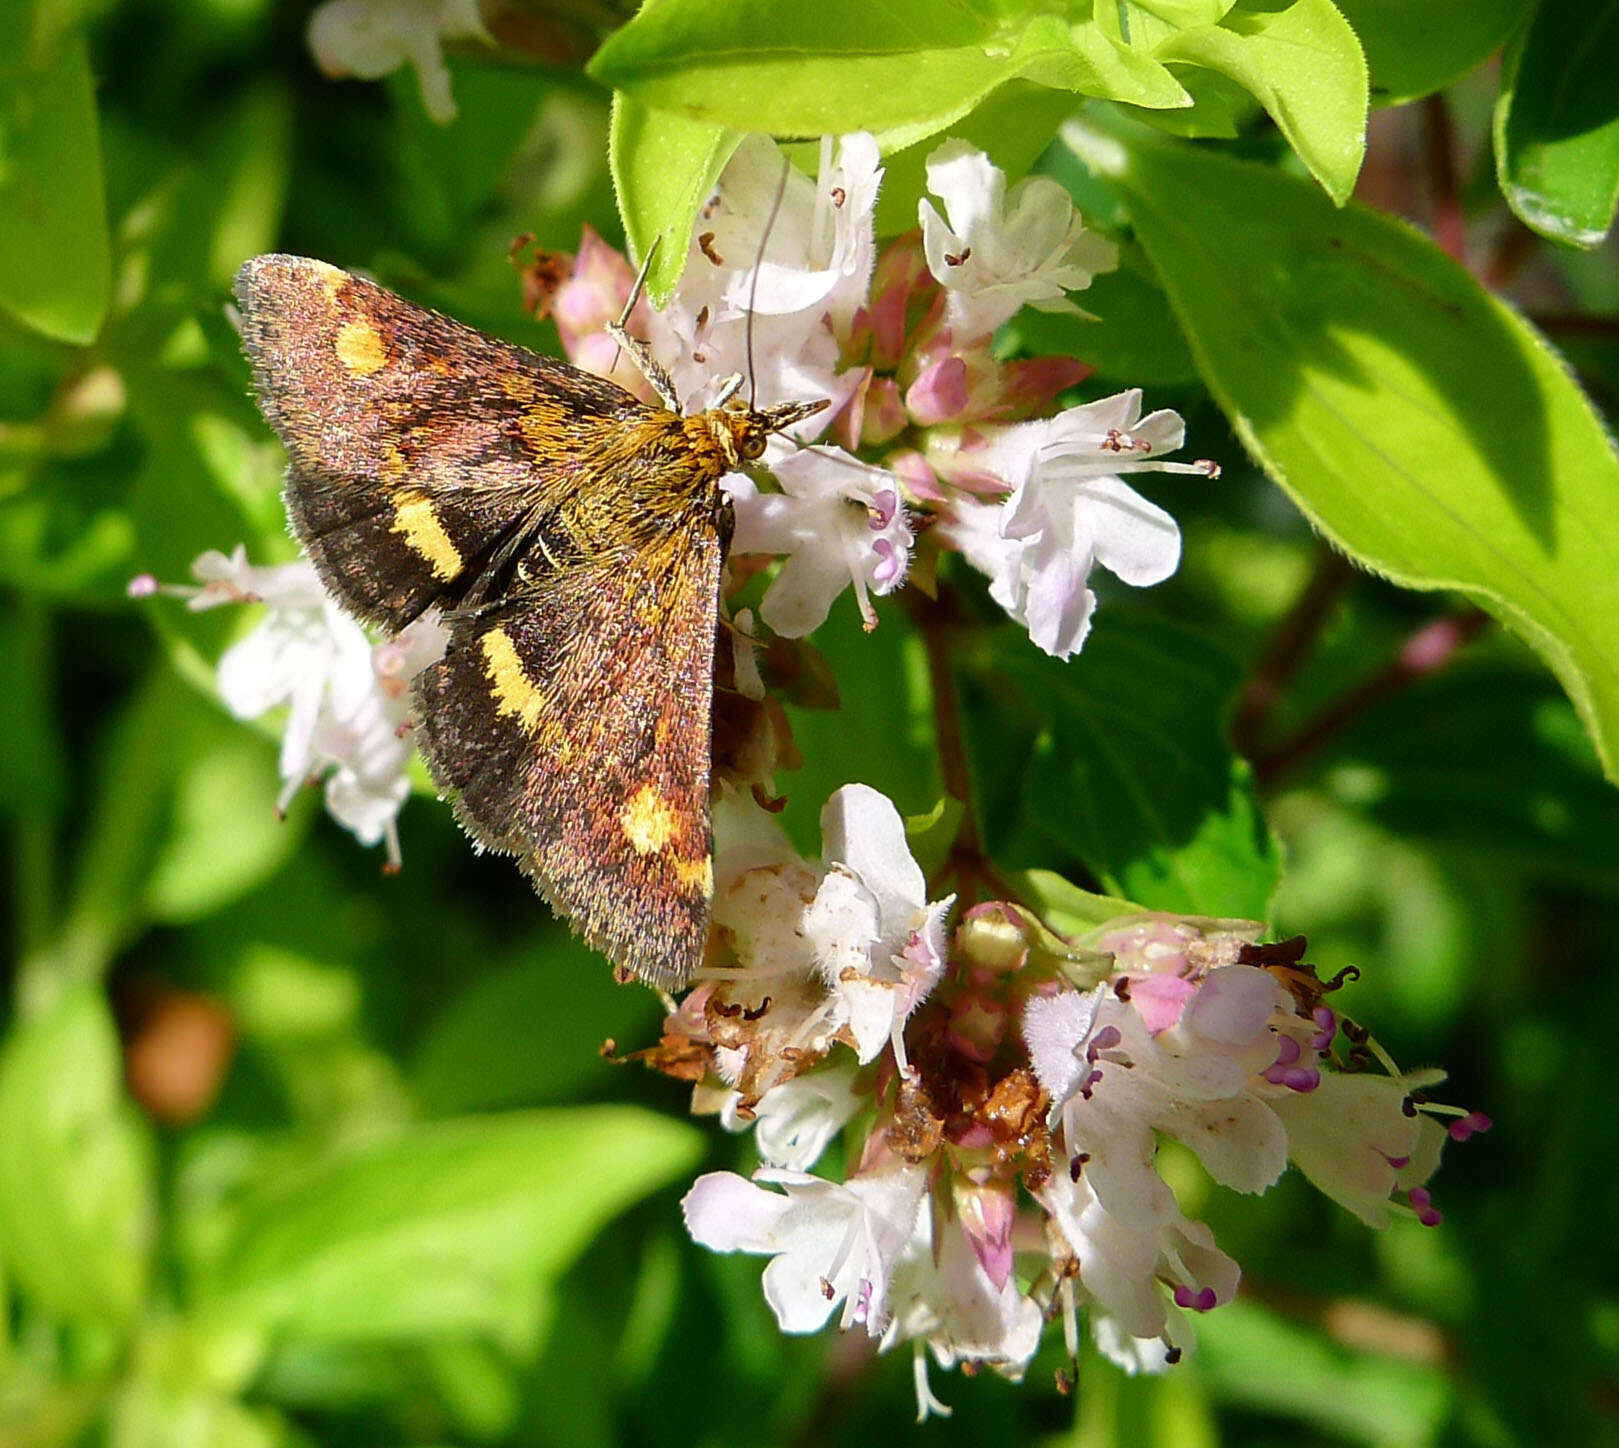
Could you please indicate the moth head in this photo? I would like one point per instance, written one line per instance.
(743, 431)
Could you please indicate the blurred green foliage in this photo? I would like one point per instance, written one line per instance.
(421, 1208)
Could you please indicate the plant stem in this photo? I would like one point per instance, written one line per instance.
(938, 620)
(1288, 648)
(1439, 158)
(1426, 651)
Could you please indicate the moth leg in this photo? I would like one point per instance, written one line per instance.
(640, 353)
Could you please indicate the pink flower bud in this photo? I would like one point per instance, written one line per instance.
(987, 1214)
(884, 412)
(939, 394)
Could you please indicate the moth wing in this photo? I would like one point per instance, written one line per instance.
(573, 720)
(417, 446)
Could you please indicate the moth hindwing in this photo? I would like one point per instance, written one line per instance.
(572, 535)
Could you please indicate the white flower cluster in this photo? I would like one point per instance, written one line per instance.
(1010, 1092)
(829, 319)
(346, 698)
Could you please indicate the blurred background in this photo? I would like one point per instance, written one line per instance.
(295, 1153)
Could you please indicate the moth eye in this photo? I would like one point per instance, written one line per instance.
(753, 447)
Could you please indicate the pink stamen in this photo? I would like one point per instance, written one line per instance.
(1473, 1124)
(1326, 1020)
(1202, 1300)
(1428, 1214)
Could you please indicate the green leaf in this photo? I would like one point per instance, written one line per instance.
(224, 836)
(1129, 769)
(1418, 422)
(1186, 12)
(76, 1208)
(160, 1413)
(848, 65)
(1427, 765)
(1130, 333)
(1065, 907)
(1220, 110)
(425, 1233)
(880, 734)
(1557, 124)
(664, 167)
(930, 836)
(55, 265)
(1273, 1364)
(502, 1043)
(1302, 62)
(1413, 50)
(254, 169)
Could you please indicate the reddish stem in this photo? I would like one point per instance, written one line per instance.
(1430, 648)
(1289, 645)
(1439, 157)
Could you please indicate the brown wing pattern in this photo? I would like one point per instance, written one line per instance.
(418, 447)
(592, 766)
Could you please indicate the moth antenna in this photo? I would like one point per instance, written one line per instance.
(640, 353)
(640, 281)
(753, 288)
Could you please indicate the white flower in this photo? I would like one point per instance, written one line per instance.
(827, 1243)
(796, 1119)
(1226, 1065)
(820, 251)
(1068, 511)
(944, 1297)
(998, 250)
(838, 521)
(1125, 1261)
(816, 268)
(842, 951)
(1353, 1138)
(1198, 1080)
(345, 698)
(371, 38)
(878, 943)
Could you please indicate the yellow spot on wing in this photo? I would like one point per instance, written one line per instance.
(415, 518)
(515, 692)
(648, 819)
(696, 872)
(360, 349)
(332, 278)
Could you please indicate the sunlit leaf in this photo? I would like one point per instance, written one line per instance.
(1417, 421)
(664, 166)
(421, 1233)
(55, 265)
(1065, 907)
(902, 72)
(1301, 62)
(76, 1194)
